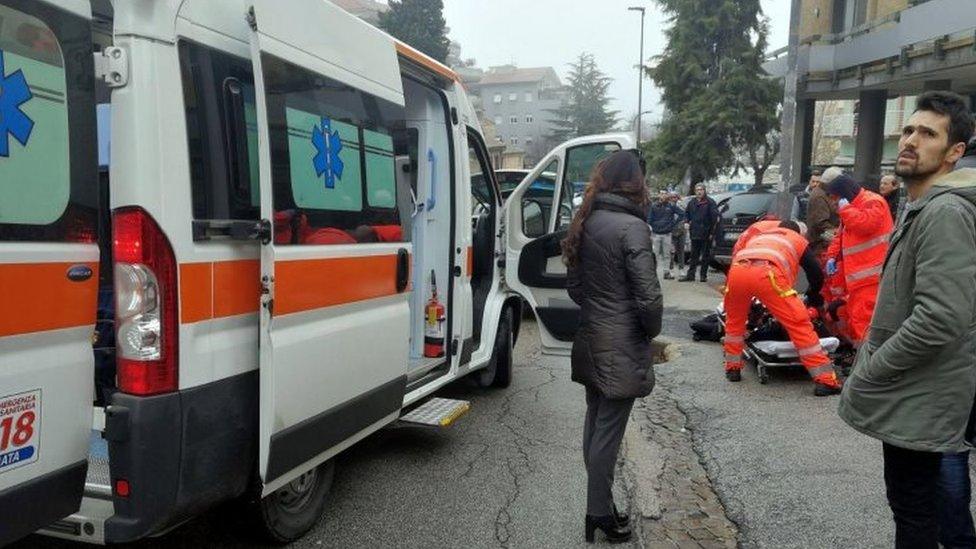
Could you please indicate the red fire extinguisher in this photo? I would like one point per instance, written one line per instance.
(434, 323)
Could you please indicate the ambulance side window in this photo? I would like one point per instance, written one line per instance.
(48, 154)
(222, 137)
(332, 159)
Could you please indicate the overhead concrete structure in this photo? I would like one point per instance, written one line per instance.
(868, 50)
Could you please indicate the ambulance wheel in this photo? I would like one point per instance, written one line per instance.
(291, 511)
(498, 372)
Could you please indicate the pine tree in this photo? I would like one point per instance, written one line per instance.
(419, 23)
(587, 109)
(721, 105)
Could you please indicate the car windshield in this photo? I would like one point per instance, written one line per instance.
(747, 204)
(507, 181)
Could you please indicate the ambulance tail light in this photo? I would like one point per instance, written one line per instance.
(146, 319)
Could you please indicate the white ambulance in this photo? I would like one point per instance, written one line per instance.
(220, 227)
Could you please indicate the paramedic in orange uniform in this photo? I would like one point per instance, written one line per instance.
(861, 244)
(765, 262)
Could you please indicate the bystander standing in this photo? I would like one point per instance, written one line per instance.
(663, 217)
(913, 382)
(702, 216)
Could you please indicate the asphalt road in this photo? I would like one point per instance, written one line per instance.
(508, 474)
(790, 472)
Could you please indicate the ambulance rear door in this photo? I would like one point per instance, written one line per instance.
(335, 269)
(48, 260)
(537, 216)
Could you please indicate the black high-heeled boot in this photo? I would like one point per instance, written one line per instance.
(622, 519)
(614, 532)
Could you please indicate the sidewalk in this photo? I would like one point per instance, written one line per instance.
(672, 499)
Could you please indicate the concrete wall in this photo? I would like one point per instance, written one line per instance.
(883, 8)
(815, 18)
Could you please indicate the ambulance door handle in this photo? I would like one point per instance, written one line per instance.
(402, 270)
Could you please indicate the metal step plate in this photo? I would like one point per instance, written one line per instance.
(437, 412)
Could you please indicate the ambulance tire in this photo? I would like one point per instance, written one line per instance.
(291, 511)
(498, 372)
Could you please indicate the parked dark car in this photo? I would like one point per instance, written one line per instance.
(737, 213)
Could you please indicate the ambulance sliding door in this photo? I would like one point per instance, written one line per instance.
(335, 314)
(48, 260)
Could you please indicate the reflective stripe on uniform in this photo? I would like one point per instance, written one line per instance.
(811, 350)
(781, 240)
(765, 253)
(864, 273)
(857, 248)
(734, 339)
(733, 358)
(820, 370)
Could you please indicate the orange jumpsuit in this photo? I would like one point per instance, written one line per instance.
(765, 262)
(862, 243)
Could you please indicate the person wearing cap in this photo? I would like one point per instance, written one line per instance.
(860, 245)
(765, 263)
(890, 189)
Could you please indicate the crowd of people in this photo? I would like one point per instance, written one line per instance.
(893, 271)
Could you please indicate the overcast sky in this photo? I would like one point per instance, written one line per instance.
(554, 32)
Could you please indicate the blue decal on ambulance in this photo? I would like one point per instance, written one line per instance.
(14, 92)
(17, 456)
(327, 144)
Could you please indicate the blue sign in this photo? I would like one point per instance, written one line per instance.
(327, 144)
(17, 456)
(14, 92)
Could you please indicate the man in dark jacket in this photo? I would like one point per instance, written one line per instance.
(822, 220)
(913, 381)
(663, 218)
(701, 216)
(890, 188)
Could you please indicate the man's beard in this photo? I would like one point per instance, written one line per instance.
(917, 172)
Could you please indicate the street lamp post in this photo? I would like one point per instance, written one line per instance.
(640, 71)
(637, 120)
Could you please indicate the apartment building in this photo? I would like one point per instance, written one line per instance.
(518, 102)
(868, 51)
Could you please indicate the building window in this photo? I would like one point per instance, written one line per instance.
(513, 141)
(498, 120)
(497, 99)
(529, 119)
(528, 97)
(528, 141)
(513, 96)
(513, 120)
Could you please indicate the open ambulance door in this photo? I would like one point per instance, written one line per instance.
(48, 260)
(334, 312)
(537, 216)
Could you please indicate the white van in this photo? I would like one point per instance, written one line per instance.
(218, 237)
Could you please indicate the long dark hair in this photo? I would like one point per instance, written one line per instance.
(621, 173)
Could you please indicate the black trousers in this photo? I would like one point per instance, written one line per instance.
(912, 481)
(606, 421)
(701, 254)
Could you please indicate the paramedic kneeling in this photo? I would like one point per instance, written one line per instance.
(765, 262)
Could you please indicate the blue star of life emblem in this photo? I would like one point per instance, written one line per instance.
(327, 144)
(14, 92)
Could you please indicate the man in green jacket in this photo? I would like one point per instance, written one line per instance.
(914, 380)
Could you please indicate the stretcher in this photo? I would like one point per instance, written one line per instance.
(767, 344)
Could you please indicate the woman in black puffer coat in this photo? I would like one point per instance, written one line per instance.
(613, 278)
